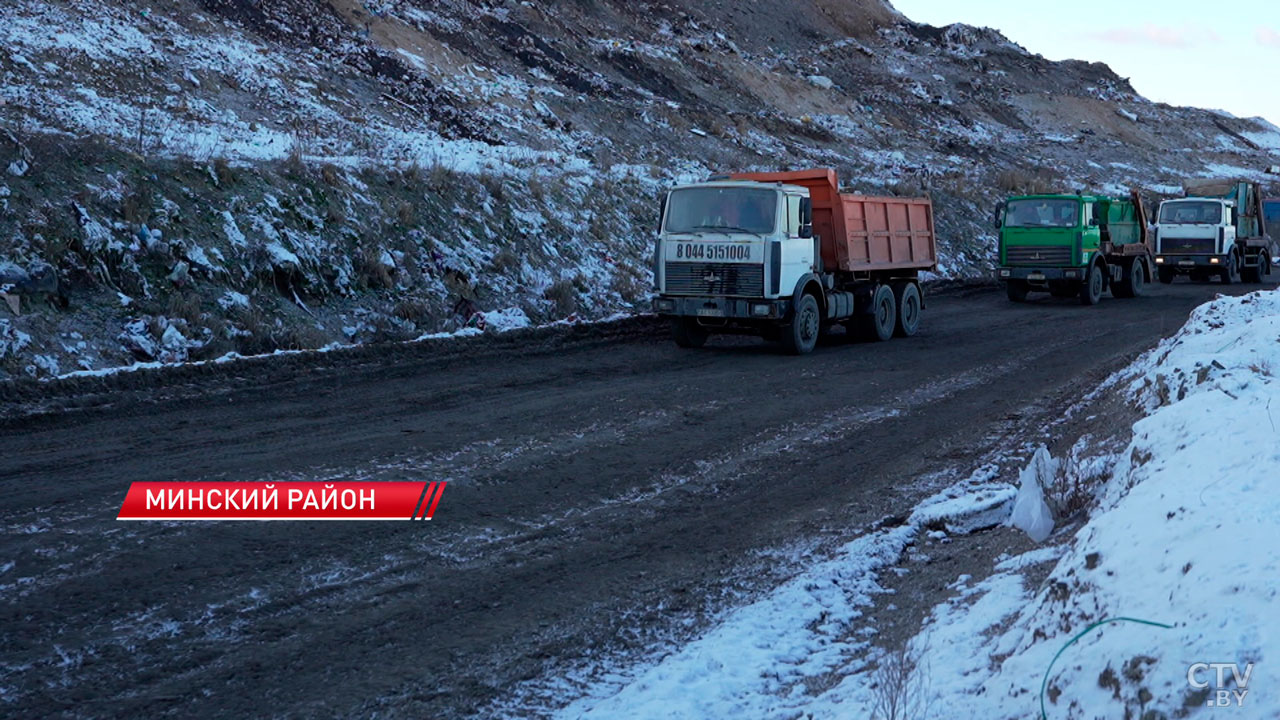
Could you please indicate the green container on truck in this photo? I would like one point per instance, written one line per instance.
(1219, 229)
(1073, 246)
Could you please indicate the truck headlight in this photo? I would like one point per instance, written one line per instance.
(1159, 261)
(666, 305)
(1213, 261)
(761, 310)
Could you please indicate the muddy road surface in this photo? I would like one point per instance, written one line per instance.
(608, 494)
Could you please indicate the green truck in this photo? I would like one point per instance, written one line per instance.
(1073, 246)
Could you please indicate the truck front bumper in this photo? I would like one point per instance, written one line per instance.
(721, 308)
(1036, 275)
(1187, 263)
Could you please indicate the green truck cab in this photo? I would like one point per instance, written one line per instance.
(1073, 246)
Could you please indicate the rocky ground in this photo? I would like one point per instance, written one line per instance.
(198, 178)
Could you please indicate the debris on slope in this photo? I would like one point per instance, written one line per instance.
(417, 162)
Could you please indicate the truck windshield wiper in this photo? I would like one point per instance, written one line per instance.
(731, 228)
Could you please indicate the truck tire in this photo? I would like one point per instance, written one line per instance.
(1167, 275)
(1091, 288)
(801, 335)
(1134, 282)
(879, 324)
(906, 296)
(1016, 290)
(1231, 273)
(1257, 273)
(688, 333)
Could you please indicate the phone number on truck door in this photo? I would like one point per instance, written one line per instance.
(709, 251)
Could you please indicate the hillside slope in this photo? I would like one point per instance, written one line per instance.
(214, 176)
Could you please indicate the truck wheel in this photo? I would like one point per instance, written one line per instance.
(802, 334)
(688, 333)
(1231, 273)
(1256, 273)
(1017, 290)
(1134, 283)
(1264, 269)
(1167, 275)
(907, 297)
(879, 325)
(1091, 289)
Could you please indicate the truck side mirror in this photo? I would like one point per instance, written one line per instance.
(997, 217)
(662, 212)
(806, 218)
(1235, 216)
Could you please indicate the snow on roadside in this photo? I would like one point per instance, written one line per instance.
(1182, 538)
(501, 321)
(760, 660)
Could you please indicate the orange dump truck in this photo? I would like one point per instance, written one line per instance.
(785, 255)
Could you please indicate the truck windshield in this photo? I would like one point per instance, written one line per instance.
(1191, 213)
(722, 209)
(1271, 210)
(1042, 213)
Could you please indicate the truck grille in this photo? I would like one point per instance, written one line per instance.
(1038, 255)
(715, 279)
(1179, 246)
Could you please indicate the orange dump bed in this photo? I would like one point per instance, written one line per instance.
(863, 232)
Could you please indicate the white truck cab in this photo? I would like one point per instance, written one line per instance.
(1194, 227)
(732, 249)
(1217, 230)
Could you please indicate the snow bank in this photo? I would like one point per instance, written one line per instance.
(1182, 538)
(760, 660)
(1175, 568)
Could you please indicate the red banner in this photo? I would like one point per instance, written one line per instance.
(281, 501)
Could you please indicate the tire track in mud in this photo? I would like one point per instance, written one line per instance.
(605, 497)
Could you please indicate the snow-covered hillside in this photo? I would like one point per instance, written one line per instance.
(1171, 577)
(209, 176)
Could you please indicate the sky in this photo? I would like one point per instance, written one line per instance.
(1174, 51)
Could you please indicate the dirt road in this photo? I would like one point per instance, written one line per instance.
(608, 492)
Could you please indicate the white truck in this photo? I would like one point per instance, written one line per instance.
(785, 255)
(1219, 228)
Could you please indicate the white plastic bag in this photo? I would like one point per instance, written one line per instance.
(1030, 512)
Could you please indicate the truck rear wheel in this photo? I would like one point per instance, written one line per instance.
(1134, 282)
(1016, 290)
(688, 333)
(1167, 275)
(801, 335)
(1231, 273)
(1091, 289)
(879, 324)
(1259, 272)
(907, 297)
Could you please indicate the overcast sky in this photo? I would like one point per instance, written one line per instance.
(1179, 52)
